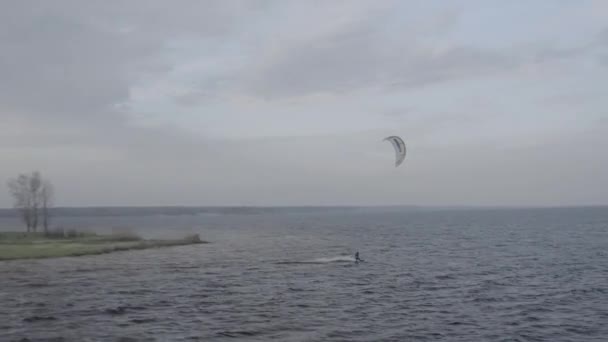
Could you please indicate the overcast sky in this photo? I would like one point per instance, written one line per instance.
(149, 102)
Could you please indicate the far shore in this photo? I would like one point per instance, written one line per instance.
(20, 245)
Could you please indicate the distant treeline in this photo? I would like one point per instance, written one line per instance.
(175, 211)
(147, 211)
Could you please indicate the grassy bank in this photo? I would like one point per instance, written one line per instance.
(15, 245)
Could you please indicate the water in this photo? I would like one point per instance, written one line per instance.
(476, 275)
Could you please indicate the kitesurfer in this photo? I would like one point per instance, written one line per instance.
(357, 259)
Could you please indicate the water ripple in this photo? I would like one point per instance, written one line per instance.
(441, 276)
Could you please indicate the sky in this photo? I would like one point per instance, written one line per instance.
(285, 102)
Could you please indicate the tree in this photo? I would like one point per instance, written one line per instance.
(32, 194)
(19, 188)
(47, 201)
(35, 185)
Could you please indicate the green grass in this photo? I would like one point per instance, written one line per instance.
(15, 245)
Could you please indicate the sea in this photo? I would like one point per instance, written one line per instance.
(289, 274)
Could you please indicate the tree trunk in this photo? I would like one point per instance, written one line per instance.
(27, 218)
(35, 220)
(46, 195)
(45, 220)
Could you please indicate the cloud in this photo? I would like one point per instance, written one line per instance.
(179, 102)
(55, 64)
(373, 51)
(603, 37)
(366, 47)
(75, 63)
(68, 72)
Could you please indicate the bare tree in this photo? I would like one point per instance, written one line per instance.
(46, 195)
(19, 188)
(31, 195)
(35, 185)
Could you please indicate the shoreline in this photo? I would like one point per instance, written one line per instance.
(24, 246)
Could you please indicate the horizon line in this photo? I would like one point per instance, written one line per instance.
(422, 206)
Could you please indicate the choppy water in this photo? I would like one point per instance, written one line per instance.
(506, 275)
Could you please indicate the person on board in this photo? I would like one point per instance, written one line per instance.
(357, 259)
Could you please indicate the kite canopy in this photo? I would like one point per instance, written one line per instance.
(400, 149)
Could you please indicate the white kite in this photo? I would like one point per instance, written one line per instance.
(400, 149)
